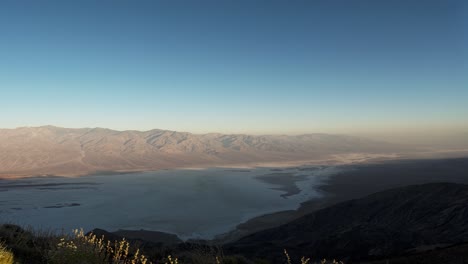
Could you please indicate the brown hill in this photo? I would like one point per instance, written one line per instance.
(52, 150)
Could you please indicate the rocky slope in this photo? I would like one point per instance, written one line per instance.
(389, 223)
(61, 151)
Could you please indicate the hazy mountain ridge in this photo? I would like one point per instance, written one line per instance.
(65, 151)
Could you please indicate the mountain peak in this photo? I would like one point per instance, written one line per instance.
(75, 151)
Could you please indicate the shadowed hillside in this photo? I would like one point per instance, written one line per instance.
(385, 224)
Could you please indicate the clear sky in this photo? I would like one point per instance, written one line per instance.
(235, 66)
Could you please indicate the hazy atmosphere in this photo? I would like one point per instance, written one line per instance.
(375, 67)
(234, 132)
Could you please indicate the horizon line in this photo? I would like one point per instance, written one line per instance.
(170, 130)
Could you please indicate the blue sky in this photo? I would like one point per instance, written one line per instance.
(235, 66)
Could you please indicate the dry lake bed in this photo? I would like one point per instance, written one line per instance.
(188, 203)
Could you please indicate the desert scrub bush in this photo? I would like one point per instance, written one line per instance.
(33, 247)
(6, 256)
(305, 260)
(28, 246)
(206, 254)
(171, 260)
(221, 259)
(89, 249)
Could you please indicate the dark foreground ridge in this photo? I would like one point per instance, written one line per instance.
(413, 224)
(382, 225)
(358, 181)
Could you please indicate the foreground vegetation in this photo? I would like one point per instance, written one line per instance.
(27, 247)
(6, 256)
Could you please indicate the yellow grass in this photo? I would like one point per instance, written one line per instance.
(93, 249)
(79, 248)
(6, 257)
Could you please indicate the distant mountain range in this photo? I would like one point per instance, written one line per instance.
(49, 150)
